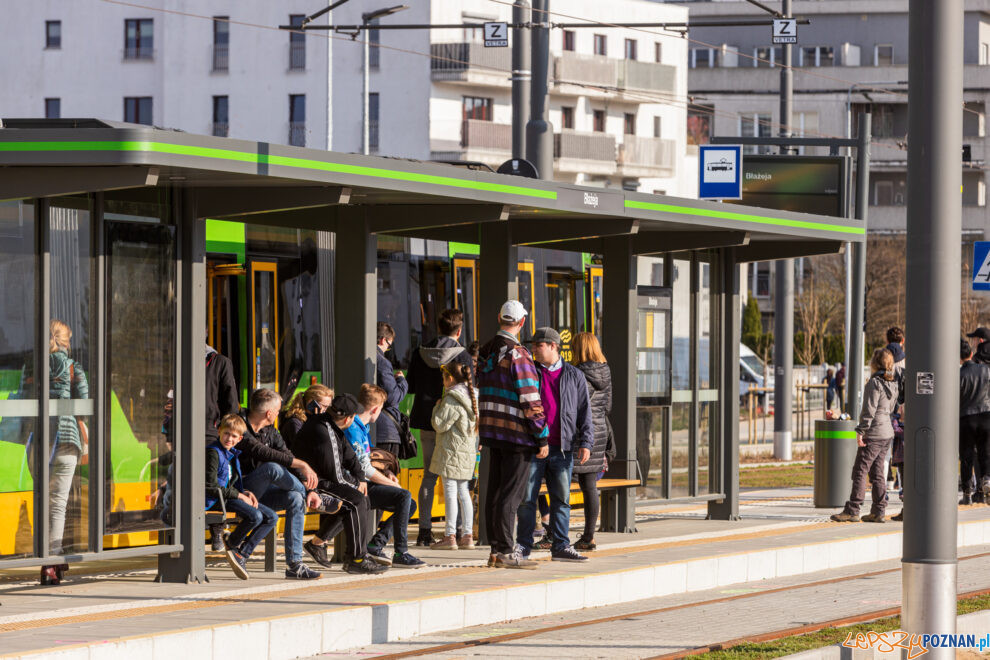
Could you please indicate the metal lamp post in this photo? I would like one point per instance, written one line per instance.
(366, 19)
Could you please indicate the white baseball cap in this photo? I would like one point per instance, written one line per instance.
(512, 311)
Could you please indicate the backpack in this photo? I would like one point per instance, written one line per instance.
(408, 448)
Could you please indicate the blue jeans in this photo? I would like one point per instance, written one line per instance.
(556, 469)
(276, 487)
(255, 525)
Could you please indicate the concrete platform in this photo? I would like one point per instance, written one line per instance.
(121, 612)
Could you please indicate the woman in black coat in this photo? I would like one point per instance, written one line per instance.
(588, 358)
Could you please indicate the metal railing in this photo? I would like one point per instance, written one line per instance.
(139, 53)
(221, 60)
(220, 128)
(591, 69)
(297, 55)
(651, 152)
(585, 146)
(297, 133)
(632, 74)
(373, 135)
(486, 134)
(451, 61)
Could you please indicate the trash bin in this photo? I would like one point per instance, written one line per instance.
(835, 453)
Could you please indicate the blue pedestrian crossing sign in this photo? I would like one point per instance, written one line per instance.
(981, 266)
(720, 171)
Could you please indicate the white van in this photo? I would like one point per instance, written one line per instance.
(751, 370)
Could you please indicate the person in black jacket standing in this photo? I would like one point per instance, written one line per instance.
(974, 424)
(426, 383)
(982, 354)
(322, 443)
(395, 386)
(590, 360)
(221, 391)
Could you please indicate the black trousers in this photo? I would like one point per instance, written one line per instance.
(592, 504)
(400, 503)
(352, 518)
(974, 449)
(508, 475)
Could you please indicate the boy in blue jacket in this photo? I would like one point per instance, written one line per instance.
(223, 477)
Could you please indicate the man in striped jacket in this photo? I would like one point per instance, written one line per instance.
(513, 427)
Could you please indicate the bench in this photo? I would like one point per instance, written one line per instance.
(222, 517)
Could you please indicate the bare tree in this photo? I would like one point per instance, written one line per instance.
(819, 308)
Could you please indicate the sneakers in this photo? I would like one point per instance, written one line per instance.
(216, 537)
(587, 546)
(491, 560)
(364, 566)
(237, 562)
(967, 498)
(567, 554)
(318, 553)
(985, 488)
(546, 543)
(874, 518)
(521, 551)
(329, 504)
(378, 556)
(466, 542)
(406, 560)
(514, 560)
(425, 538)
(448, 542)
(899, 517)
(844, 517)
(300, 571)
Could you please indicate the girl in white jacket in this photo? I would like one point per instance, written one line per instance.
(455, 419)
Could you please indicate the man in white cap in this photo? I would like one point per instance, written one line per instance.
(513, 427)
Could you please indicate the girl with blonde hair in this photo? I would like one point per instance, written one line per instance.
(312, 401)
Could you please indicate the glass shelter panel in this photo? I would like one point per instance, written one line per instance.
(264, 324)
(18, 394)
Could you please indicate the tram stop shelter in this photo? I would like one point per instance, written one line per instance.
(128, 204)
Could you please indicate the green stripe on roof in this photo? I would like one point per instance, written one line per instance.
(743, 217)
(835, 435)
(283, 161)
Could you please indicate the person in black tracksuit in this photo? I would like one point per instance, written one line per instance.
(321, 443)
(974, 424)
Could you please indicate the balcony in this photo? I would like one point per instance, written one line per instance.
(220, 129)
(646, 76)
(470, 63)
(373, 135)
(481, 141)
(572, 71)
(139, 53)
(297, 133)
(646, 157)
(221, 63)
(589, 153)
(297, 56)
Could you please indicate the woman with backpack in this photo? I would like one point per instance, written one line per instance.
(873, 434)
(590, 360)
(455, 420)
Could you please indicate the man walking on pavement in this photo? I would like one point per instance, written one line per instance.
(513, 428)
(564, 393)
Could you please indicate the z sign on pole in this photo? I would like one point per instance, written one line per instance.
(496, 35)
(981, 266)
(785, 30)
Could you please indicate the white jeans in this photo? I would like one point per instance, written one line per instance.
(61, 472)
(455, 492)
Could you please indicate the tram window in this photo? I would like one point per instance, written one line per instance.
(595, 282)
(465, 298)
(525, 279)
(561, 301)
(264, 320)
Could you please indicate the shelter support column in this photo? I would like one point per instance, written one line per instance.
(190, 408)
(498, 281)
(725, 461)
(619, 318)
(356, 302)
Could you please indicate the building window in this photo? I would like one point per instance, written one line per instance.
(755, 125)
(567, 117)
(657, 127)
(818, 56)
(883, 55)
(703, 58)
(631, 49)
(767, 57)
(221, 43)
(658, 52)
(601, 44)
(139, 40)
(984, 54)
(297, 43)
(374, 107)
(297, 120)
(53, 108)
(598, 119)
(374, 41)
(629, 123)
(137, 109)
(476, 107)
(221, 127)
(761, 279)
(883, 193)
(569, 40)
(53, 34)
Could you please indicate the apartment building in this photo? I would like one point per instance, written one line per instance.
(208, 66)
(616, 95)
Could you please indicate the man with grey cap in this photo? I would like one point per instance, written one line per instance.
(567, 406)
(513, 428)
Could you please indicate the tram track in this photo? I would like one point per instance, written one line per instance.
(715, 646)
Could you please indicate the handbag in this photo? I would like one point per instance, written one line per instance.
(384, 461)
(408, 448)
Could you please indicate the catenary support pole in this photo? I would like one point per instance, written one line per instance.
(783, 317)
(520, 77)
(931, 377)
(857, 274)
(539, 132)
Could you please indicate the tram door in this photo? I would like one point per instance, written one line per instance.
(562, 301)
(466, 296)
(263, 321)
(593, 287)
(432, 297)
(525, 278)
(222, 312)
